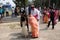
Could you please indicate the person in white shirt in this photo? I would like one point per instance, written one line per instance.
(35, 12)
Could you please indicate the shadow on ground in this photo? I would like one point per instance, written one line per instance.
(45, 29)
(18, 36)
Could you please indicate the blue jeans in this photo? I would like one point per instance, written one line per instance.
(1, 15)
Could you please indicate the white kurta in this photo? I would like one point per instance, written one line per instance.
(36, 12)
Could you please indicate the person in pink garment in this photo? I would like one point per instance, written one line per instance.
(56, 16)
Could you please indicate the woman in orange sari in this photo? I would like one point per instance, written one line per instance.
(34, 26)
(45, 16)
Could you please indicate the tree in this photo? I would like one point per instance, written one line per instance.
(21, 2)
(58, 4)
(37, 3)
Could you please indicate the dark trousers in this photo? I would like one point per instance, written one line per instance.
(27, 23)
(24, 19)
(52, 20)
(59, 18)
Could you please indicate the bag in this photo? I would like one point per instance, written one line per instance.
(24, 30)
(34, 26)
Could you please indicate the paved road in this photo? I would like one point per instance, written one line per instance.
(10, 30)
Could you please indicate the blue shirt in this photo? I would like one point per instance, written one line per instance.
(1, 10)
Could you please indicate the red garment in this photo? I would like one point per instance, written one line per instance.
(46, 17)
(49, 15)
(56, 16)
(36, 16)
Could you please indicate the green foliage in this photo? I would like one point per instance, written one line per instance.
(21, 2)
(37, 3)
(41, 3)
(58, 4)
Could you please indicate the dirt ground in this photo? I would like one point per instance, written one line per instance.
(10, 30)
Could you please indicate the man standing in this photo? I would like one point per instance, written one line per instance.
(35, 12)
(28, 11)
(22, 16)
(52, 15)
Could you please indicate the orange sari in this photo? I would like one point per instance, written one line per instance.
(34, 26)
(45, 19)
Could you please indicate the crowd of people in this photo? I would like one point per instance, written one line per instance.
(13, 12)
(31, 16)
(50, 15)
